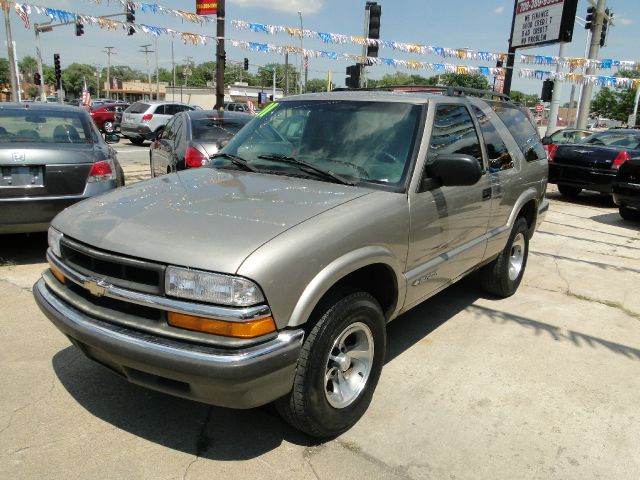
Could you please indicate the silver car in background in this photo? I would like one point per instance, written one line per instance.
(144, 120)
(51, 156)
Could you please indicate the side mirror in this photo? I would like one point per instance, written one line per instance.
(455, 170)
(111, 138)
(547, 140)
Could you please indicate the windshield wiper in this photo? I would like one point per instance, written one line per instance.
(307, 167)
(236, 160)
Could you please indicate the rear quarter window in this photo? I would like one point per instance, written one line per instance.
(138, 107)
(522, 130)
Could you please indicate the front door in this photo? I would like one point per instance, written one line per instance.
(448, 224)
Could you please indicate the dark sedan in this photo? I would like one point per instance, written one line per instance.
(191, 137)
(51, 156)
(626, 189)
(592, 163)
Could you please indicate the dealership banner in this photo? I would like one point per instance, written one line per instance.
(542, 22)
(206, 7)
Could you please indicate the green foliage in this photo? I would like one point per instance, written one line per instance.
(465, 80)
(28, 66)
(5, 75)
(400, 78)
(614, 104)
(316, 85)
(524, 98)
(74, 75)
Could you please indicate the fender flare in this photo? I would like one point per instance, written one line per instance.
(339, 269)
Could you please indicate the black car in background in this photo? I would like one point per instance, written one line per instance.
(51, 156)
(626, 189)
(593, 162)
(191, 137)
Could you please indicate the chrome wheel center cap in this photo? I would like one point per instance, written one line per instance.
(344, 362)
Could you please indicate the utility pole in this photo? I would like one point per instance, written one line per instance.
(37, 28)
(98, 81)
(146, 52)
(109, 52)
(220, 56)
(286, 74)
(15, 95)
(594, 49)
(157, 73)
(557, 92)
(173, 67)
(302, 52)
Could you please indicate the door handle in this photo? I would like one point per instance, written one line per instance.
(486, 194)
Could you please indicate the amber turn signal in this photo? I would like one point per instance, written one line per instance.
(248, 329)
(56, 273)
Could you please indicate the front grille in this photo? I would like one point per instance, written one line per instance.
(115, 305)
(125, 272)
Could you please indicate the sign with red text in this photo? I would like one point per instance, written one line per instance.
(541, 22)
(206, 7)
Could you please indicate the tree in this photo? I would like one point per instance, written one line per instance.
(525, 99)
(605, 103)
(5, 75)
(466, 80)
(316, 85)
(265, 76)
(28, 66)
(74, 76)
(401, 78)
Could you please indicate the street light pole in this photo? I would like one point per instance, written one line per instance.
(109, 53)
(37, 29)
(157, 73)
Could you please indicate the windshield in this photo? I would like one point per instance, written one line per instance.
(361, 141)
(42, 126)
(629, 140)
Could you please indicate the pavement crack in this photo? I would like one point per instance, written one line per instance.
(203, 442)
(606, 303)
(400, 472)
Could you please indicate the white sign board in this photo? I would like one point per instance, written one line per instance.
(537, 22)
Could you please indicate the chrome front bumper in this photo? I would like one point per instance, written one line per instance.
(237, 378)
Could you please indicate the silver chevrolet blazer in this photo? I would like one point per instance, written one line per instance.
(270, 274)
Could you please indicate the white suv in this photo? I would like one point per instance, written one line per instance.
(142, 120)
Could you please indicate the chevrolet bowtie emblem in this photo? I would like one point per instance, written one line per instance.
(96, 287)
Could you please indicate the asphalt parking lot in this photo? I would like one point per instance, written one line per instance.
(545, 384)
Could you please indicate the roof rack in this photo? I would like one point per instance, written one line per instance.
(449, 91)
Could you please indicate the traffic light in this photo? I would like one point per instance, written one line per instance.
(605, 24)
(589, 18)
(79, 28)
(56, 66)
(36, 78)
(547, 90)
(353, 72)
(246, 64)
(131, 17)
(373, 26)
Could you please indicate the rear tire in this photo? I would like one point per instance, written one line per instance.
(629, 214)
(503, 275)
(568, 191)
(107, 127)
(338, 367)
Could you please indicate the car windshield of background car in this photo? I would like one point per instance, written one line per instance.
(41, 126)
(614, 139)
(362, 141)
(212, 130)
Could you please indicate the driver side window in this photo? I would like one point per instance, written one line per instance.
(453, 133)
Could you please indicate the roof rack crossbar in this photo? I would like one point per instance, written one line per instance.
(448, 90)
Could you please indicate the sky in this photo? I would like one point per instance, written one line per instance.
(477, 24)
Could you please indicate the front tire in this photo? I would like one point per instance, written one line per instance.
(338, 368)
(503, 275)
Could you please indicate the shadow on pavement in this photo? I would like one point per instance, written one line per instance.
(219, 433)
(23, 249)
(614, 219)
(586, 198)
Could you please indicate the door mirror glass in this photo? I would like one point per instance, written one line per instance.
(547, 140)
(111, 138)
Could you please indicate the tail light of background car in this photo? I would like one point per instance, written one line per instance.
(194, 158)
(147, 116)
(620, 159)
(552, 151)
(102, 172)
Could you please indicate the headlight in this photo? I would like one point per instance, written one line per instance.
(211, 287)
(54, 237)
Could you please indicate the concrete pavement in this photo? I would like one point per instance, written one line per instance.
(545, 384)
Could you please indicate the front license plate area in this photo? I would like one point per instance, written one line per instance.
(28, 176)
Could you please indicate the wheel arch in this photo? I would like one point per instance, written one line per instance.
(526, 206)
(371, 269)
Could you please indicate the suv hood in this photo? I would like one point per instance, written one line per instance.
(203, 218)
